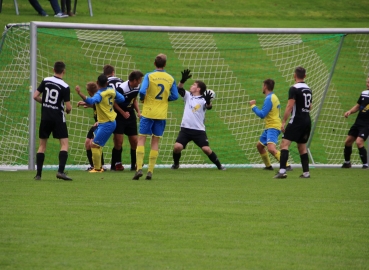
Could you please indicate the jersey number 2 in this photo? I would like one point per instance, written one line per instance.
(158, 96)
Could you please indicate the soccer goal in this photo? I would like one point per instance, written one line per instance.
(231, 61)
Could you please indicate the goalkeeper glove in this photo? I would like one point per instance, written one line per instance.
(208, 96)
(185, 75)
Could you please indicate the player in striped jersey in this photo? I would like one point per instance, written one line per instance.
(104, 101)
(298, 109)
(55, 95)
(127, 119)
(197, 102)
(270, 112)
(157, 89)
(359, 131)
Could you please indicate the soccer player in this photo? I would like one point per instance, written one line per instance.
(127, 119)
(271, 113)
(157, 89)
(55, 95)
(103, 100)
(359, 131)
(91, 88)
(197, 101)
(299, 126)
(116, 155)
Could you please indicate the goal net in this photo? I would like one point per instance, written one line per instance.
(232, 62)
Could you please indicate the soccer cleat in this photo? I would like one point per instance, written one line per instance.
(37, 177)
(365, 167)
(97, 171)
(269, 168)
(61, 15)
(346, 165)
(89, 169)
(175, 166)
(149, 176)
(222, 168)
(119, 166)
(289, 168)
(280, 176)
(137, 175)
(303, 176)
(63, 176)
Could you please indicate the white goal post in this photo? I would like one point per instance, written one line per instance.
(231, 61)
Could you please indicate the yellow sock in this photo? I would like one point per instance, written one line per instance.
(140, 153)
(152, 159)
(278, 157)
(266, 160)
(96, 157)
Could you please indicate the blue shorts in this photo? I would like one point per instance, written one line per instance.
(152, 126)
(103, 133)
(269, 136)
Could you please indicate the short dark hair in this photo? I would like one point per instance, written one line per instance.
(202, 86)
(102, 80)
(59, 67)
(300, 72)
(160, 60)
(108, 70)
(269, 83)
(135, 75)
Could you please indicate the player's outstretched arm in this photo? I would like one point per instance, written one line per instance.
(352, 110)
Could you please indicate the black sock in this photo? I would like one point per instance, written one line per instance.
(363, 155)
(347, 153)
(40, 157)
(89, 157)
(304, 162)
(133, 158)
(284, 159)
(176, 158)
(115, 157)
(63, 156)
(213, 157)
(102, 159)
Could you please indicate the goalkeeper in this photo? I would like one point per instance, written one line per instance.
(197, 101)
(270, 112)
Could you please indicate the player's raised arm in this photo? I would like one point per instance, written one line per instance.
(185, 76)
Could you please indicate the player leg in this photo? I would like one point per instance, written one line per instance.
(116, 153)
(102, 134)
(88, 142)
(145, 129)
(40, 158)
(360, 140)
(301, 146)
(272, 140)
(350, 139)
(133, 143)
(285, 144)
(61, 132)
(200, 139)
(182, 140)
(260, 146)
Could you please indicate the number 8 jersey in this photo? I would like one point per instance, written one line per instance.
(303, 97)
(54, 93)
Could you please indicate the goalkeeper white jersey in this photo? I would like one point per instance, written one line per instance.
(194, 112)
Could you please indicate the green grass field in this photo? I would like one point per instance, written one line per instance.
(192, 218)
(185, 219)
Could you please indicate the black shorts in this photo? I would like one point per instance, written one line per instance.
(127, 126)
(359, 131)
(298, 131)
(59, 130)
(197, 136)
(90, 134)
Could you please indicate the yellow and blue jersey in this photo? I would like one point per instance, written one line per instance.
(157, 89)
(270, 112)
(104, 101)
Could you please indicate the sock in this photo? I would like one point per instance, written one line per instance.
(363, 155)
(266, 160)
(305, 162)
(89, 157)
(133, 158)
(114, 158)
(140, 153)
(102, 159)
(213, 157)
(283, 161)
(176, 158)
(152, 159)
(347, 153)
(63, 156)
(119, 155)
(96, 157)
(40, 157)
(278, 157)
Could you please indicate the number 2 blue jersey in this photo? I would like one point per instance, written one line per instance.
(54, 93)
(157, 89)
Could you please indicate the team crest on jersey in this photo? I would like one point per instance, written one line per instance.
(196, 108)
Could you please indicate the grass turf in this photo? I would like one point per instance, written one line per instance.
(185, 219)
